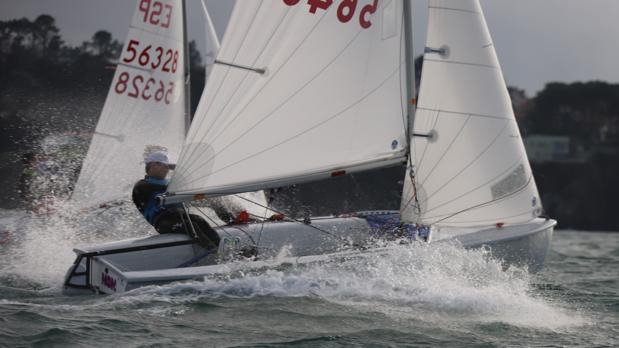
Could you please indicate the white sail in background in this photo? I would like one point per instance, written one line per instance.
(472, 170)
(325, 95)
(144, 106)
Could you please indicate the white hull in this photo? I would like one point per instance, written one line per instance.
(125, 265)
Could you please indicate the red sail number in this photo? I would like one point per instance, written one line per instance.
(168, 57)
(137, 88)
(345, 10)
(319, 4)
(367, 9)
(156, 12)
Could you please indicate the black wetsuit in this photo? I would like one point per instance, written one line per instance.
(169, 218)
(165, 219)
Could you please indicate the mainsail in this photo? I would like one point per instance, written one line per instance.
(145, 105)
(469, 163)
(301, 89)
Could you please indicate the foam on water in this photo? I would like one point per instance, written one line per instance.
(441, 284)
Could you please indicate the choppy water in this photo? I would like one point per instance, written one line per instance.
(418, 296)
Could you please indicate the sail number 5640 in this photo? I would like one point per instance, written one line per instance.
(345, 11)
(137, 86)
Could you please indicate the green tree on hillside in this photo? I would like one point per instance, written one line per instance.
(587, 112)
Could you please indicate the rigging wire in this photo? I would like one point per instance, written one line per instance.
(228, 233)
(266, 210)
(294, 220)
(414, 197)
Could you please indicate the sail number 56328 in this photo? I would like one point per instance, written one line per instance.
(137, 86)
(167, 60)
(345, 10)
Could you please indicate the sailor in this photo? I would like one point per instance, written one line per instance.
(146, 190)
(168, 218)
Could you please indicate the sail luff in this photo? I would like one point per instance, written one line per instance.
(407, 187)
(410, 66)
(187, 70)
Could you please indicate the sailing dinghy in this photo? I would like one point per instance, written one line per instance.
(302, 91)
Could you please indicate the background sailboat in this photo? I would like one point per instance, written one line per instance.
(140, 116)
(145, 105)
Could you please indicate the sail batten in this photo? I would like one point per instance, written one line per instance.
(462, 63)
(331, 95)
(443, 8)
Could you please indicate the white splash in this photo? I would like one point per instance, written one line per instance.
(436, 284)
(41, 245)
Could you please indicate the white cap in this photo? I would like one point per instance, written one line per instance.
(160, 157)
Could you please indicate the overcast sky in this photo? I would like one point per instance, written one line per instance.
(536, 40)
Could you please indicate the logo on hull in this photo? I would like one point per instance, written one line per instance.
(108, 280)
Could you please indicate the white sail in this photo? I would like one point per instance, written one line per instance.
(212, 41)
(145, 105)
(325, 95)
(471, 169)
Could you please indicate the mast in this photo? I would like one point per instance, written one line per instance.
(187, 75)
(411, 102)
(409, 204)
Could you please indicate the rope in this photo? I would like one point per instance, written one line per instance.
(240, 229)
(193, 230)
(294, 220)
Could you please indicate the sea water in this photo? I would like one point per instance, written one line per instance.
(418, 295)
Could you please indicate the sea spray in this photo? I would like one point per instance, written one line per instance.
(41, 249)
(433, 284)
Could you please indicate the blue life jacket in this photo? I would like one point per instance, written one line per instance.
(152, 208)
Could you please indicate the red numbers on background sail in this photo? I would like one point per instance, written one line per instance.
(137, 86)
(145, 56)
(345, 10)
(150, 58)
(156, 12)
